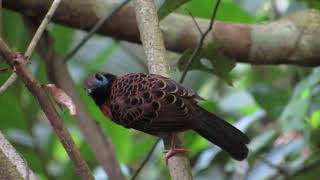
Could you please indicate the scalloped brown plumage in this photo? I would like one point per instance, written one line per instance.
(160, 106)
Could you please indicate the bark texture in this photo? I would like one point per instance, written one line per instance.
(294, 39)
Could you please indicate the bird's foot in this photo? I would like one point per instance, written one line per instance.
(173, 151)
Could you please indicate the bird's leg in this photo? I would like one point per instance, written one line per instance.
(173, 150)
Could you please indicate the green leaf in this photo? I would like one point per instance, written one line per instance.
(309, 82)
(169, 6)
(231, 11)
(315, 119)
(14, 32)
(262, 141)
(312, 3)
(103, 56)
(314, 140)
(209, 60)
(201, 8)
(294, 115)
(41, 73)
(228, 11)
(270, 98)
(249, 109)
(12, 114)
(141, 146)
(59, 153)
(63, 38)
(209, 105)
(195, 143)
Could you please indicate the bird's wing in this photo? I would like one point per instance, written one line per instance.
(151, 103)
(176, 88)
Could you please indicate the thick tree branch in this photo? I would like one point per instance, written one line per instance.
(16, 62)
(12, 165)
(184, 73)
(155, 51)
(58, 73)
(289, 40)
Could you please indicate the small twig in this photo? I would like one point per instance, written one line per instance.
(8, 83)
(281, 170)
(305, 169)
(195, 22)
(146, 159)
(41, 29)
(44, 101)
(33, 43)
(93, 30)
(200, 44)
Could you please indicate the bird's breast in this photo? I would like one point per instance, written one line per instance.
(106, 111)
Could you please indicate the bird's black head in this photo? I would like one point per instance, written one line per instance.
(98, 86)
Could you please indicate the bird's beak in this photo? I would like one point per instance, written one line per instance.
(89, 91)
(88, 87)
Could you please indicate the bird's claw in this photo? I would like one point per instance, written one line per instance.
(173, 151)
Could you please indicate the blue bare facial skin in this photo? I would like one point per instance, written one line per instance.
(97, 81)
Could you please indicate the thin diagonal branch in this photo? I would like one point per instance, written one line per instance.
(93, 30)
(44, 101)
(200, 44)
(41, 29)
(8, 83)
(58, 73)
(195, 22)
(33, 43)
(146, 159)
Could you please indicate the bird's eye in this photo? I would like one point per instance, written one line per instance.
(100, 80)
(99, 77)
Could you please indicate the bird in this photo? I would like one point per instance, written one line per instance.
(162, 107)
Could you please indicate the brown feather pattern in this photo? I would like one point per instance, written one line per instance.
(142, 101)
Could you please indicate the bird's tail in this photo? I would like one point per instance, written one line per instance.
(222, 134)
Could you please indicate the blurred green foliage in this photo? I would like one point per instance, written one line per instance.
(207, 59)
(277, 106)
(228, 10)
(168, 6)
